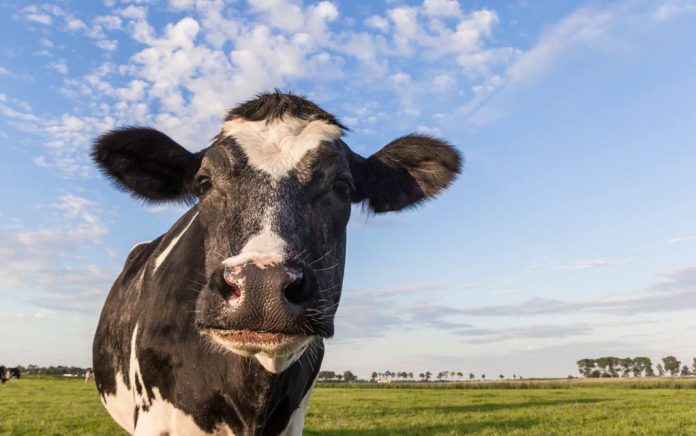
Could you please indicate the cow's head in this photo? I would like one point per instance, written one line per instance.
(273, 194)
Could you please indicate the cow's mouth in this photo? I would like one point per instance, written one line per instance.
(247, 342)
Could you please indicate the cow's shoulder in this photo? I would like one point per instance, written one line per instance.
(140, 254)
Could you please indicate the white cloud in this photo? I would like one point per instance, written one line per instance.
(281, 14)
(442, 8)
(188, 73)
(59, 66)
(46, 42)
(599, 263)
(32, 13)
(673, 9)
(443, 82)
(110, 22)
(680, 240)
(44, 258)
(377, 22)
(107, 44)
(581, 27)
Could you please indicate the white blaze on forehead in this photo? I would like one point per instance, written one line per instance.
(277, 146)
(163, 255)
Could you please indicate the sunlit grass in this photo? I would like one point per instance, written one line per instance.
(56, 406)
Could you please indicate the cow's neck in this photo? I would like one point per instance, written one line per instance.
(229, 389)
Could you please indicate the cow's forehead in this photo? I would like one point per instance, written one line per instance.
(277, 146)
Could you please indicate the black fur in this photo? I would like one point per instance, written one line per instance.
(274, 105)
(405, 172)
(147, 163)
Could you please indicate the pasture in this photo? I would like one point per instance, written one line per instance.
(56, 406)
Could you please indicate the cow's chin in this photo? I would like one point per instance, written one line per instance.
(274, 351)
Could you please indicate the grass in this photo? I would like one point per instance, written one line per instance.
(56, 406)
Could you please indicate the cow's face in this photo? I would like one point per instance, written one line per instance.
(274, 194)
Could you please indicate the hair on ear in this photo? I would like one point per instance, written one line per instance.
(147, 164)
(405, 173)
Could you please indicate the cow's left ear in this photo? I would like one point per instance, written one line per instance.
(147, 164)
(404, 173)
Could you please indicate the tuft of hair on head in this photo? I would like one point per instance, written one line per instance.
(274, 106)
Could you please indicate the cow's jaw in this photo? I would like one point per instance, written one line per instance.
(274, 351)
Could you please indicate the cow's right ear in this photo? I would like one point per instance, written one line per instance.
(147, 164)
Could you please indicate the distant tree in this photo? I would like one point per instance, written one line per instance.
(626, 365)
(349, 377)
(410, 375)
(586, 366)
(421, 376)
(339, 377)
(660, 370)
(326, 375)
(483, 376)
(471, 376)
(671, 364)
(373, 376)
(501, 376)
(428, 374)
(685, 371)
(602, 364)
(649, 372)
(693, 366)
(642, 365)
(614, 364)
(440, 375)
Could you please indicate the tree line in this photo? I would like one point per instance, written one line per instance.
(637, 367)
(404, 376)
(51, 370)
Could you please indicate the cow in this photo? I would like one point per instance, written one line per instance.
(7, 373)
(218, 326)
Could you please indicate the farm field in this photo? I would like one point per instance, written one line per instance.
(54, 406)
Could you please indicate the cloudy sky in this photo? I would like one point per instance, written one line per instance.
(571, 233)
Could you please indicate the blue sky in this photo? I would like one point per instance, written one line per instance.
(570, 234)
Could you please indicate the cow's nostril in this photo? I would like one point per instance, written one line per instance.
(228, 290)
(298, 290)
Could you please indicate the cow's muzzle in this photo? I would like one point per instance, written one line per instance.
(267, 303)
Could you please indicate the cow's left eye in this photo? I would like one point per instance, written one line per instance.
(341, 188)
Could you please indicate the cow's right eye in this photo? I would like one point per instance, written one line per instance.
(203, 185)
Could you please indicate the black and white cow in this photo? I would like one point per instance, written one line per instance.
(217, 326)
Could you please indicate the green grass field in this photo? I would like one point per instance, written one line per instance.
(54, 406)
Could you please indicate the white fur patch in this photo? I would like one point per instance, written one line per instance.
(121, 405)
(161, 416)
(278, 363)
(296, 423)
(276, 147)
(163, 255)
